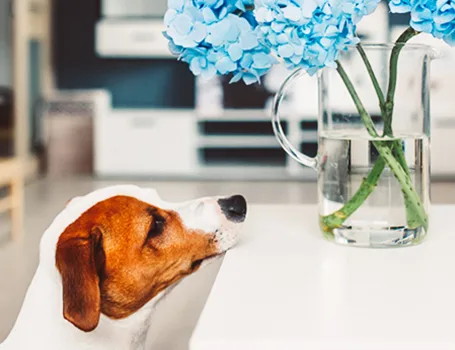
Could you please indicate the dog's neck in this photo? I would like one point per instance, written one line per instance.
(41, 325)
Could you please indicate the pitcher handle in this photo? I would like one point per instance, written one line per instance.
(278, 130)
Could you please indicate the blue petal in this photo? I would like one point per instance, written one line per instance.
(422, 26)
(296, 59)
(264, 15)
(236, 78)
(399, 8)
(197, 65)
(282, 39)
(242, 23)
(213, 56)
(285, 51)
(248, 41)
(225, 65)
(233, 33)
(209, 73)
(182, 24)
(278, 27)
(218, 31)
(235, 52)
(181, 40)
(308, 7)
(326, 42)
(239, 4)
(209, 15)
(246, 61)
(176, 4)
(292, 13)
(250, 79)
(444, 17)
(169, 16)
(261, 61)
(175, 50)
(298, 49)
(223, 13)
(450, 38)
(250, 18)
(198, 33)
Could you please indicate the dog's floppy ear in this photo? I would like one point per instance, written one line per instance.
(79, 259)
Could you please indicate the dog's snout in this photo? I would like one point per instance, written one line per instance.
(234, 208)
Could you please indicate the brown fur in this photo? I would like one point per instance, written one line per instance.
(108, 266)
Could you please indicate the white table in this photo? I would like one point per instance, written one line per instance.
(286, 288)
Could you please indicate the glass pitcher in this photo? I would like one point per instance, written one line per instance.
(373, 160)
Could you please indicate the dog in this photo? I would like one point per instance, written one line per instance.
(109, 257)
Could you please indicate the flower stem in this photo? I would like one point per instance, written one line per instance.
(410, 195)
(397, 147)
(407, 35)
(336, 220)
(374, 80)
(393, 74)
(387, 157)
(366, 118)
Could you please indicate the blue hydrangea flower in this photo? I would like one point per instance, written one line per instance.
(185, 24)
(436, 17)
(219, 37)
(400, 6)
(213, 41)
(242, 4)
(358, 9)
(311, 33)
(229, 5)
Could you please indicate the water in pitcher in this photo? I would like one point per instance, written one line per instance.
(345, 160)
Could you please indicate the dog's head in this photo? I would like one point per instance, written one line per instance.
(123, 250)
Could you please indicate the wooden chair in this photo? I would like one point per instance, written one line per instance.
(11, 176)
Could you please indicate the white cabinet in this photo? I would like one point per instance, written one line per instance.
(145, 143)
(122, 38)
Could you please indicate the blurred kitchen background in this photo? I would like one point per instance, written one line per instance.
(93, 90)
(90, 96)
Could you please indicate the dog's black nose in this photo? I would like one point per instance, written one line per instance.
(234, 208)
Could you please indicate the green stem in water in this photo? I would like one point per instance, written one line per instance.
(336, 220)
(411, 197)
(407, 35)
(397, 147)
(386, 156)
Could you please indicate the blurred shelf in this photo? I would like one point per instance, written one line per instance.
(128, 38)
(238, 141)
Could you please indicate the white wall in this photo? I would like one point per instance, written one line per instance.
(5, 43)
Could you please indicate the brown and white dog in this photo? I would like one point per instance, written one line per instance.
(108, 258)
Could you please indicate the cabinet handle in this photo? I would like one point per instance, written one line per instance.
(143, 123)
(144, 37)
